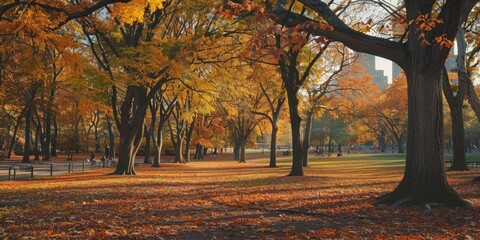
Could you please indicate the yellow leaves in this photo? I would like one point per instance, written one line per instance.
(134, 11)
(187, 116)
(175, 70)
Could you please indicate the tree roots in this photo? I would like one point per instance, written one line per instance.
(395, 200)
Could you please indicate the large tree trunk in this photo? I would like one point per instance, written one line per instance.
(188, 140)
(273, 146)
(295, 120)
(424, 179)
(178, 149)
(458, 135)
(243, 149)
(158, 142)
(132, 116)
(306, 139)
(236, 147)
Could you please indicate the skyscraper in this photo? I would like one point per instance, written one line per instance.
(378, 77)
(396, 71)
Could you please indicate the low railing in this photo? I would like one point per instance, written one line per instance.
(471, 164)
(11, 171)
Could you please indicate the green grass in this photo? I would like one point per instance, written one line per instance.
(364, 160)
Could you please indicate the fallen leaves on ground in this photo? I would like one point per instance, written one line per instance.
(226, 200)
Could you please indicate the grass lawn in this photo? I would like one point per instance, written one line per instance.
(222, 199)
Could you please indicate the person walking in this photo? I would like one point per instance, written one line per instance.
(107, 152)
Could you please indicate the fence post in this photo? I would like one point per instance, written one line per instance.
(31, 171)
(14, 173)
(70, 166)
(51, 169)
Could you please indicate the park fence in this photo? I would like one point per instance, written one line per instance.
(14, 171)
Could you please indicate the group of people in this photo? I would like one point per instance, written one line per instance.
(106, 156)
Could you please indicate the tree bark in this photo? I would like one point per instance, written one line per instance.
(199, 152)
(132, 116)
(158, 142)
(111, 137)
(236, 148)
(424, 179)
(95, 129)
(330, 148)
(306, 138)
(188, 140)
(295, 120)
(148, 133)
(243, 149)
(455, 102)
(178, 149)
(15, 130)
(458, 136)
(273, 146)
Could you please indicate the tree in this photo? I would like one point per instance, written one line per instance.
(137, 20)
(325, 83)
(455, 103)
(275, 98)
(421, 54)
(392, 112)
(241, 111)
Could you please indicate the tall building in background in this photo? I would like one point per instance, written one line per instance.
(396, 71)
(378, 76)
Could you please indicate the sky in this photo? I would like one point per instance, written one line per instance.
(385, 65)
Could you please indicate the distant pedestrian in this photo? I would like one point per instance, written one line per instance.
(92, 156)
(107, 152)
(340, 154)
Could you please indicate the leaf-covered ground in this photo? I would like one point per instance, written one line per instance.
(222, 199)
